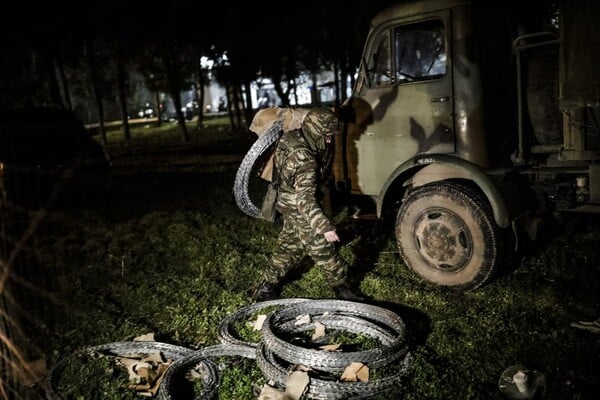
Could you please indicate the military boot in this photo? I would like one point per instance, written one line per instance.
(345, 292)
(267, 291)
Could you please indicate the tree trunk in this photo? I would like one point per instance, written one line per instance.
(293, 85)
(97, 94)
(199, 98)
(344, 81)
(248, 106)
(176, 96)
(53, 85)
(101, 126)
(159, 110)
(314, 91)
(122, 85)
(336, 82)
(230, 106)
(236, 104)
(65, 84)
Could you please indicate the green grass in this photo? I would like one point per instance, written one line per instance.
(173, 255)
(88, 377)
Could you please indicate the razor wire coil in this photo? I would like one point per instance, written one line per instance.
(242, 176)
(275, 357)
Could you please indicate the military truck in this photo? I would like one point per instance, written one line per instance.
(470, 125)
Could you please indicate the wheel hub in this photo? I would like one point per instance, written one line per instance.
(443, 239)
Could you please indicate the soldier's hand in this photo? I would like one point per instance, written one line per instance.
(331, 236)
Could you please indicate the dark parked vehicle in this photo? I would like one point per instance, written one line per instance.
(48, 158)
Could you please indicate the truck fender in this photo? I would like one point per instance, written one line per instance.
(438, 167)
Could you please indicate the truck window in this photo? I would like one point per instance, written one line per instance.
(419, 51)
(381, 67)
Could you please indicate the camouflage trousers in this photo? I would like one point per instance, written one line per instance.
(296, 240)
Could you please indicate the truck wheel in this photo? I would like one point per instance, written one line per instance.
(446, 234)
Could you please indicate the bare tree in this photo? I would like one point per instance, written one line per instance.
(122, 85)
(97, 89)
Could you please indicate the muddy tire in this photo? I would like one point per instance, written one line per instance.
(446, 234)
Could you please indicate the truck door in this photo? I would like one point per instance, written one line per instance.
(403, 102)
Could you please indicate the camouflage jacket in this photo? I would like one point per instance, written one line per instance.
(299, 172)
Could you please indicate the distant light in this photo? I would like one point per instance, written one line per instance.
(206, 62)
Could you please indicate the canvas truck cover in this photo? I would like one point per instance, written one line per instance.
(580, 54)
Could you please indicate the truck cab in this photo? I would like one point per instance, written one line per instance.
(459, 128)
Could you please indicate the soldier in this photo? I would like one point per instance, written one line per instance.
(303, 162)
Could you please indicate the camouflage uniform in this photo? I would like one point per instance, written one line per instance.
(302, 160)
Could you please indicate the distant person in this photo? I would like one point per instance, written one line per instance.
(188, 113)
(302, 164)
(221, 106)
(264, 101)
